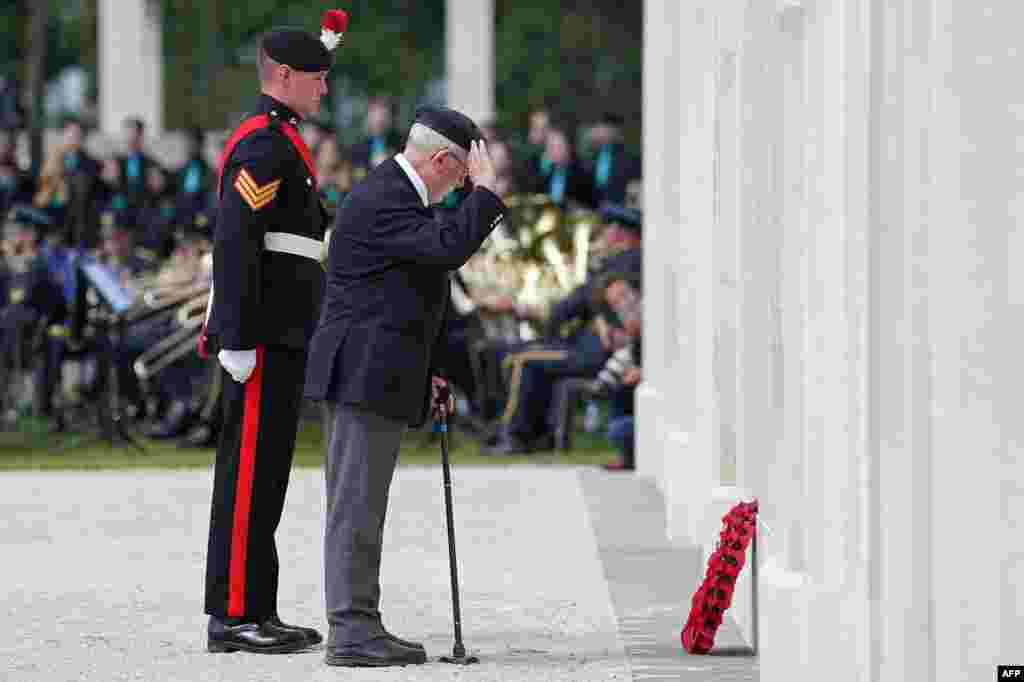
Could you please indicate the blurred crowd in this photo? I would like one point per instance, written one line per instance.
(106, 264)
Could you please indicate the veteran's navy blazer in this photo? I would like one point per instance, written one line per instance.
(387, 290)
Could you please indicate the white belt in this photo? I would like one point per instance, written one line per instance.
(285, 242)
(282, 242)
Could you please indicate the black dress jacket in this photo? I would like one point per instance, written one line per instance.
(262, 296)
(388, 270)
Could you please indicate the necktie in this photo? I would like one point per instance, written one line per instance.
(558, 179)
(192, 178)
(603, 171)
(133, 168)
(376, 146)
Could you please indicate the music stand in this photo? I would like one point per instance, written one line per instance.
(109, 327)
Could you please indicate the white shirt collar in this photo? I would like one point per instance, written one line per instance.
(417, 181)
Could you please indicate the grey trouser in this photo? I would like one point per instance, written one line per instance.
(362, 450)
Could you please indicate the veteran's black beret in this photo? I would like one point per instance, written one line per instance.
(628, 217)
(454, 125)
(301, 50)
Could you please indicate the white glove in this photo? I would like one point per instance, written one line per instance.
(238, 363)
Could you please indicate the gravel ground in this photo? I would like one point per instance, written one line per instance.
(565, 576)
(104, 574)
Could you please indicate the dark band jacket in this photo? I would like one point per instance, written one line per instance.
(268, 278)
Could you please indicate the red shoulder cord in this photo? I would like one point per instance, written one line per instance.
(249, 125)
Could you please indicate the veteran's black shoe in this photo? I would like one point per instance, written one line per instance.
(225, 635)
(399, 640)
(378, 652)
(311, 635)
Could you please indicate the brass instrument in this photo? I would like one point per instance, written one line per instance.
(167, 351)
(160, 296)
(181, 289)
(539, 255)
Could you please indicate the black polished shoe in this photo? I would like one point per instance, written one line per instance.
(377, 652)
(312, 636)
(225, 635)
(399, 640)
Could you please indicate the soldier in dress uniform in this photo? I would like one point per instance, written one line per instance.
(268, 284)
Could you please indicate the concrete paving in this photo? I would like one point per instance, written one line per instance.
(103, 576)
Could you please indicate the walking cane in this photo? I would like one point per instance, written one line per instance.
(458, 656)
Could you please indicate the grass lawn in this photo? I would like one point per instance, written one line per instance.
(30, 448)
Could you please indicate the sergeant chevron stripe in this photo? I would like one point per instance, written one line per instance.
(256, 195)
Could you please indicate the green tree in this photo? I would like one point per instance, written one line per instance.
(578, 57)
(393, 47)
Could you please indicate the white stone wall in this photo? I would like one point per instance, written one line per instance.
(832, 190)
(469, 46)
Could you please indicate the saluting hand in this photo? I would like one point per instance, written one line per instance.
(481, 168)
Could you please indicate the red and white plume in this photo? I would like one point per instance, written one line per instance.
(332, 28)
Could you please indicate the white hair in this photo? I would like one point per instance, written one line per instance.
(424, 141)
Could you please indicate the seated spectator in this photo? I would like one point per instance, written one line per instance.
(314, 133)
(86, 191)
(382, 141)
(117, 253)
(501, 157)
(618, 378)
(531, 158)
(134, 166)
(55, 265)
(580, 352)
(334, 169)
(612, 168)
(16, 184)
(76, 159)
(31, 297)
(53, 189)
(194, 179)
(11, 114)
(114, 200)
(156, 220)
(565, 180)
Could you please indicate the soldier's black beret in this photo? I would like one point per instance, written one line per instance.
(629, 218)
(301, 50)
(454, 125)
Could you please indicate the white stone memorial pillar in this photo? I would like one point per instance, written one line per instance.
(469, 43)
(130, 64)
(842, 212)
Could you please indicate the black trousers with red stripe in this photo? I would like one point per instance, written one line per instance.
(254, 460)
